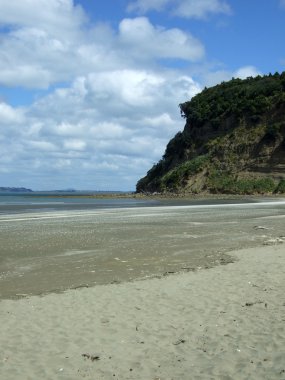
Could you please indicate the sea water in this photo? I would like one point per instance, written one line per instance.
(77, 200)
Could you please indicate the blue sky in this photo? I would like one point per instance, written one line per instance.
(89, 90)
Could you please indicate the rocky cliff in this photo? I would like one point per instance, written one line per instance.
(233, 141)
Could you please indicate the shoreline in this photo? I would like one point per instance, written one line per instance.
(216, 323)
(162, 196)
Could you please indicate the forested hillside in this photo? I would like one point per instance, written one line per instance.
(233, 141)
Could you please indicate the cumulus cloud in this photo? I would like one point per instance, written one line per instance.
(43, 43)
(245, 72)
(143, 6)
(183, 8)
(147, 40)
(114, 119)
(108, 128)
(211, 78)
(201, 8)
(10, 115)
(56, 17)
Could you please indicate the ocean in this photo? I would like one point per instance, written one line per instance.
(56, 201)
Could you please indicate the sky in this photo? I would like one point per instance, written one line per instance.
(90, 90)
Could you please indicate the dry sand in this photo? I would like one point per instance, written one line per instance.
(227, 322)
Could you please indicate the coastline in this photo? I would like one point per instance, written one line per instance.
(225, 322)
(160, 196)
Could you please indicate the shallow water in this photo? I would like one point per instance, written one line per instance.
(11, 203)
(55, 250)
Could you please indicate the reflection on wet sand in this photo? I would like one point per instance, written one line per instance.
(54, 251)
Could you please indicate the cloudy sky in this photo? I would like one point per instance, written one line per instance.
(89, 89)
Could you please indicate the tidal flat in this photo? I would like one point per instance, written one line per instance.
(52, 251)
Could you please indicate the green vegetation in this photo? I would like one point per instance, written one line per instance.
(220, 183)
(280, 189)
(252, 97)
(177, 177)
(234, 134)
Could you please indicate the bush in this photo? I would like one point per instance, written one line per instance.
(281, 187)
(176, 177)
(225, 183)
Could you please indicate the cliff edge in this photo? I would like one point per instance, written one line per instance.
(233, 141)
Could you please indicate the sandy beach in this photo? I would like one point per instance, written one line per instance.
(227, 322)
(182, 293)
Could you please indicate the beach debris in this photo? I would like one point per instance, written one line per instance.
(80, 286)
(273, 241)
(179, 342)
(252, 303)
(168, 273)
(91, 357)
(115, 282)
(188, 269)
(253, 285)
(261, 228)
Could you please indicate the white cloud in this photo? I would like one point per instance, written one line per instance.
(56, 17)
(133, 87)
(143, 6)
(35, 53)
(183, 8)
(163, 119)
(10, 115)
(62, 164)
(245, 72)
(201, 8)
(106, 128)
(41, 146)
(211, 78)
(282, 3)
(147, 40)
(25, 76)
(74, 144)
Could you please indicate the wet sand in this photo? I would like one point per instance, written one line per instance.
(54, 251)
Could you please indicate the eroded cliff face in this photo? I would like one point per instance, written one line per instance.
(236, 146)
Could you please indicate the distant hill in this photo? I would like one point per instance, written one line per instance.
(15, 190)
(233, 141)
